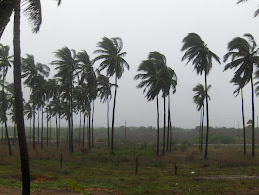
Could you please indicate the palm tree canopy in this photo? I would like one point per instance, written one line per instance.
(151, 76)
(200, 95)
(111, 54)
(104, 87)
(244, 55)
(197, 52)
(5, 59)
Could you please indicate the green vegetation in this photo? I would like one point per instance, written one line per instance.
(102, 171)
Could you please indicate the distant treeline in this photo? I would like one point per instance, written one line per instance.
(218, 135)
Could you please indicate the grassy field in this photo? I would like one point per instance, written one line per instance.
(115, 173)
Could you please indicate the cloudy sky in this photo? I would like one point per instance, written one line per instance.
(145, 26)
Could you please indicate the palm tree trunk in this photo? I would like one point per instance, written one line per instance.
(243, 118)
(42, 127)
(47, 128)
(89, 131)
(200, 131)
(157, 146)
(253, 118)
(4, 115)
(108, 130)
(79, 138)
(38, 125)
(71, 112)
(57, 128)
(113, 114)
(2, 133)
(84, 132)
(92, 133)
(30, 130)
(168, 123)
(33, 123)
(171, 135)
(19, 102)
(202, 123)
(164, 129)
(50, 129)
(207, 118)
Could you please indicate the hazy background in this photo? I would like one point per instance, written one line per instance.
(145, 26)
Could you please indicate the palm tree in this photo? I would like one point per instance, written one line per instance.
(33, 10)
(111, 54)
(169, 80)
(197, 51)
(104, 92)
(152, 81)
(256, 12)
(199, 98)
(32, 73)
(244, 55)
(5, 63)
(66, 66)
(237, 80)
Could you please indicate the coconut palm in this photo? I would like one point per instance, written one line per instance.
(244, 55)
(112, 57)
(104, 93)
(169, 80)
(5, 63)
(199, 98)
(197, 51)
(152, 82)
(237, 80)
(66, 66)
(32, 8)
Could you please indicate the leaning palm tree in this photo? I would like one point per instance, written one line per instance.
(66, 64)
(244, 55)
(112, 57)
(104, 92)
(198, 99)
(197, 51)
(152, 82)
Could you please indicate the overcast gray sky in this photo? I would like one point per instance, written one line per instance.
(145, 26)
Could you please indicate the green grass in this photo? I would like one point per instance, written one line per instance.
(116, 172)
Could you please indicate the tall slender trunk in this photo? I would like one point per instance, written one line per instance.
(47, 128)
(157, 145)
(164, 128)
(84, 132)
(93, 125)
(202, 124)
(79, 138)
(30, 131)
(200, 131)
(4, 114)
(71, 112)
(168, 123)
(108, 130)
(243, 118)
(253, 118)
(113, 114)
(207, 118)
(38, 125)
(2, 133)
(89, 131)
(50, 129)
(33, 120)
(25, 168)
(57, 128)
(69, 126)
(41, 127)
(14, 134)
(171, 135)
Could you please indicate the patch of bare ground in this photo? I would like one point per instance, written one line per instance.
(228, 177)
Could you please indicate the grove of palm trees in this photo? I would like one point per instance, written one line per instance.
(66, 100)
